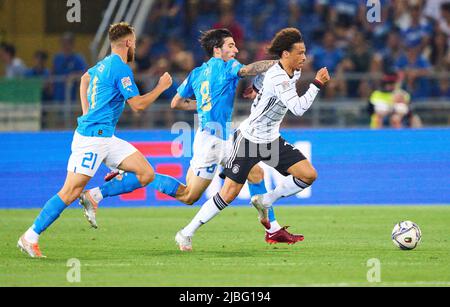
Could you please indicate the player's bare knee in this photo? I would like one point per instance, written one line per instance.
(146, 177)
(308, 176)
(69, 194)
(256, 175)
(192, 199)
(228, 194)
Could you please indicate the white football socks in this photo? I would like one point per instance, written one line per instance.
(96, 194)
(31, 236)
(207, 212)
(289, 186)
(274, 227)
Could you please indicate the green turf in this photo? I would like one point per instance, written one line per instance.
(135, 247)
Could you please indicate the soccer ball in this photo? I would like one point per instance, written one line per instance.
(406, 235)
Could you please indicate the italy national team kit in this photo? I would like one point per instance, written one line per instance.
(214, 86)
(112, 84)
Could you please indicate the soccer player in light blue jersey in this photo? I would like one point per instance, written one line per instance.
(104, 89)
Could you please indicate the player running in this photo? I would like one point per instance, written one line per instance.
(103, 90)
(258, 138)
(214, 86)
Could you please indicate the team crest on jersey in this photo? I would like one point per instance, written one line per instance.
(285, 85)
(126, 82)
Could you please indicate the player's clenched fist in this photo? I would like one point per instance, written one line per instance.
(165, 81)
(323, 76)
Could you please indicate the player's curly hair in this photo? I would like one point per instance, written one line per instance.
(213, 39)
(284, 41)
(119, 30)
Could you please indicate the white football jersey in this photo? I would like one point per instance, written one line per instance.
(276, 96)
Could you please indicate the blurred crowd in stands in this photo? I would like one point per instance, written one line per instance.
(412, 41)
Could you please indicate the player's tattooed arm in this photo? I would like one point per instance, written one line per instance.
(180, 103)
(256, 68)
(84, 84)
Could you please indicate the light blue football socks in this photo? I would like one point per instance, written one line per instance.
(51, 211)
(126, 183)
(165, 184)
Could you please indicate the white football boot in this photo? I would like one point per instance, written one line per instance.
(183, 242)
(90, 208)
(263, 209)
(29, 248)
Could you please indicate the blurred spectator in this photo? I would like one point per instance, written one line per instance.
(182, 60)
(269, 20)
(39, 68)
(389, 106)
(328, 56)
(164, 18)
(386, 60)
(67, 64)
(432, 8)
(227, 20)
(143, 59)
(419, 30)
(357, 60)
(345, 11)
(439, 50)
(417, 70)
(14, 67)
(444, 21)
(302, 16)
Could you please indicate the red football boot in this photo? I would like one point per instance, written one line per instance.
(110, 176)
(283, 236)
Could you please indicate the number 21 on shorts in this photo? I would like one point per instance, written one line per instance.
(89, 160)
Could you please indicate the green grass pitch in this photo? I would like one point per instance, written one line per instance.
(135, 247)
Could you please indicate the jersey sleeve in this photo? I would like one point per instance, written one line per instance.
(232, 69)
(258, 82)
(186, 90)
(124, 81)
(287, 93)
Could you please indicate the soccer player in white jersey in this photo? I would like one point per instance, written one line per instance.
(258, 138)
(104, 89)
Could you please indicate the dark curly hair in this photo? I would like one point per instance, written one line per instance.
(284, 41)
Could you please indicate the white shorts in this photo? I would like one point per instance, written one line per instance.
(89, 152)
(209, 152)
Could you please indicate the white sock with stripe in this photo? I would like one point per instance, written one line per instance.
(207, 212)
(290, 186)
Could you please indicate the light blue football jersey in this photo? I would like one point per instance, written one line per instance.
(214, 86)
(112, 84)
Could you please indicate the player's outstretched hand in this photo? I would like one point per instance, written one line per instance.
(165, 81)
(323, 76)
